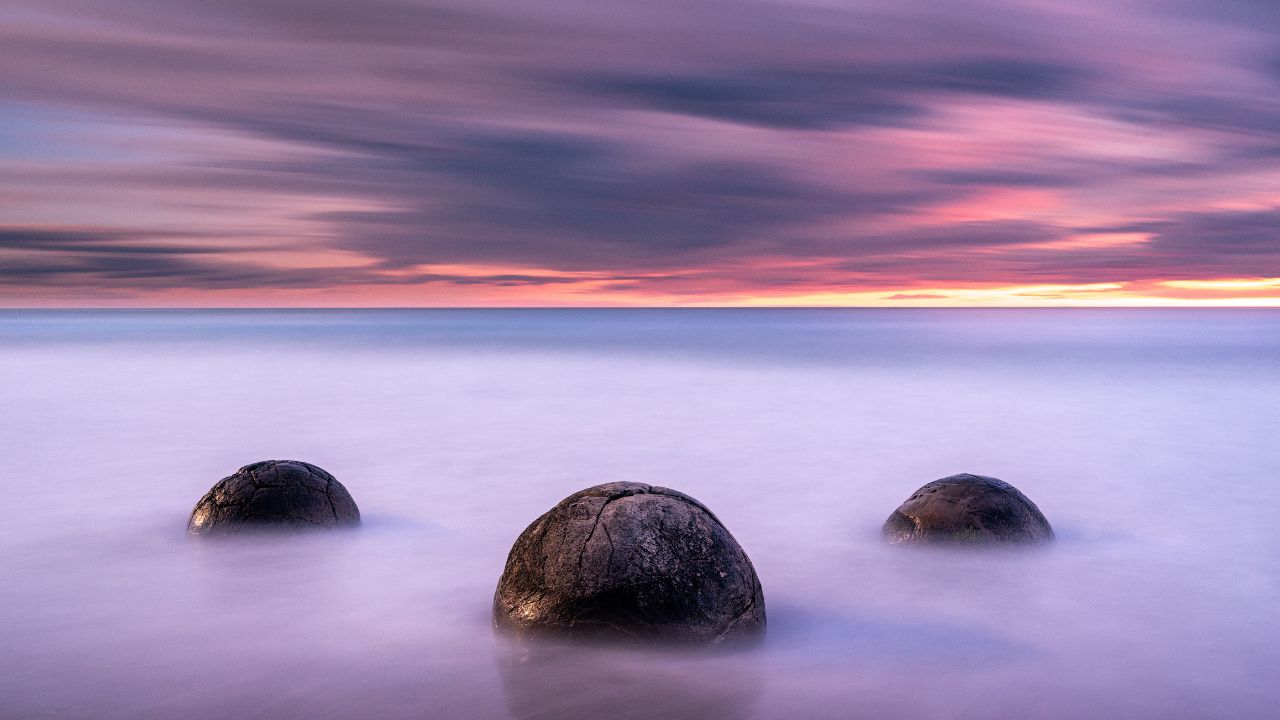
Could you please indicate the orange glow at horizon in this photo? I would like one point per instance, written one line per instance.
(591, 290)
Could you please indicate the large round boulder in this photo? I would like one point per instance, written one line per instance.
(630, 561)
(274, 493)
(967, 508)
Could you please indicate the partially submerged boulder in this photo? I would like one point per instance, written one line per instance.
(274, 493)
(967, 508)
(632, 561)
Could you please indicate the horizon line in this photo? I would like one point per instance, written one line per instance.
(178, 308)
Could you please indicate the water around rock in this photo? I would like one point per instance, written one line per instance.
(967, 508)
(564, 680)
(631, 561)
(275, 493)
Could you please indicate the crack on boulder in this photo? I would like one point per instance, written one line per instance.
(628, 492)
(737, 620)
(328, 493)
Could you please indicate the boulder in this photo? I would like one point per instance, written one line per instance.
(967, 509)
(630, 561)
(275, 493)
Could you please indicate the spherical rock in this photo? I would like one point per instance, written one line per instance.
(274, 493)
(967, 508)
(630, 561)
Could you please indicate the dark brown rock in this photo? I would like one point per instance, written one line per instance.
(967, 508)
(274, 493)
(633, 561)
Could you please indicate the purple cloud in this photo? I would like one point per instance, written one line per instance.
(672, 146)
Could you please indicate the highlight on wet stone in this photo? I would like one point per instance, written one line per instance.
(286, 494)
(633, 562)
(967, 508)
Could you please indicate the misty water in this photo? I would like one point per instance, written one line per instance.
(1148, 438)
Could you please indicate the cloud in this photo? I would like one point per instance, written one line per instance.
(576, 203)
(98, 242)
(820, 97)
(37, 257)
(1245, 242)
(1213, 244)
(1190, 246)
(701, 146)
(780, 99)
(998, 177)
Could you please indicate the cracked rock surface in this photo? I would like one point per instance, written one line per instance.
(275, 493)
(632, 561)
(967, 508)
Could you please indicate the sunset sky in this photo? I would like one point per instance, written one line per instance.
(480, 152)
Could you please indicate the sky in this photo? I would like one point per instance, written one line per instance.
(191, 153)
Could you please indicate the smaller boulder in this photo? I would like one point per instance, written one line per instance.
(275, 493)
(967, 508)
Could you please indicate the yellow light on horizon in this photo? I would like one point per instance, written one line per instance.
(1058, 295)
(1225, 284)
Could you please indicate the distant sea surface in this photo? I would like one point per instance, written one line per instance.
(1148, 438)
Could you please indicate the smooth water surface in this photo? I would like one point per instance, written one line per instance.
(1148, 438)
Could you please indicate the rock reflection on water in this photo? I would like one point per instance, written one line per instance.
(547, 679)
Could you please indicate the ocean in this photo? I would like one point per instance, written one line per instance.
(1147, 437)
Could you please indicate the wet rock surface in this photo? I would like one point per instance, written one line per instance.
(287, 494)
(631, 561)
(967, 508)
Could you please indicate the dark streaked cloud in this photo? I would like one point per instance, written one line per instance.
(99, 242)
(998, 177)
(779, 99)
(567, 201)
(35, 257)
(859, 93)
(1260, 15)
(1248, 240)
